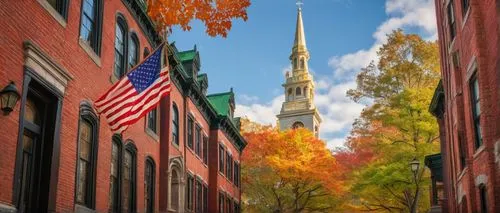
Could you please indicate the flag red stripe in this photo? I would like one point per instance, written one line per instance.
(120, 92)
(143, 111)
(110, 90)
(132, 102)
(131, 112)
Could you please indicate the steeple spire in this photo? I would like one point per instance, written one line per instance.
(300, 37)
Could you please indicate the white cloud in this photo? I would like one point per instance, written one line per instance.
(261, 113)
(334, 143)
(338, 111)
(248, 98)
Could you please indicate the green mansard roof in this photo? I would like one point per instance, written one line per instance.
(187, 55)
(221, 102)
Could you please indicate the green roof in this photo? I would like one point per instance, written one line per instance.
(187, 55)
(220, 102)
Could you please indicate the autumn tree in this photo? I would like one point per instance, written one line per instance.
(217, 15)
(289, 171)
(396, 127)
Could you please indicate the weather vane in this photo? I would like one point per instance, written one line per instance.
(299, 4)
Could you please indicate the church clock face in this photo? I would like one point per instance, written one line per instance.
(297, 124)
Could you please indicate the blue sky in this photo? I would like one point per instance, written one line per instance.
(342, 36)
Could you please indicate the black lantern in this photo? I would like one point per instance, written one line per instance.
(414, 166)
(9, 97)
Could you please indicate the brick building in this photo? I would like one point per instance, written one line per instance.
(58, 155)
(466, 104)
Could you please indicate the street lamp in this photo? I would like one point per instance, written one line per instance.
(8, 98)
(414, 166)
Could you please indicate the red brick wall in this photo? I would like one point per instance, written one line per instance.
(476, 41)
(28, 20)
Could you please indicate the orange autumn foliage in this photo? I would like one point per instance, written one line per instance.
(294, 155)
(217, 15)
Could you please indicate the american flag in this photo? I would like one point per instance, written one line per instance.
(137, 93)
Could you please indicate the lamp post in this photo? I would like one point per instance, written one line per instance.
(414, 166)
(8, 98)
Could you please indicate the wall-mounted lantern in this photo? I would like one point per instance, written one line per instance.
(9, 97)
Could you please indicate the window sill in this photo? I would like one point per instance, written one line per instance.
(152, 134)
(53, 12)
(88, 49)
(479, 150)
(83, 209)
(176, 146)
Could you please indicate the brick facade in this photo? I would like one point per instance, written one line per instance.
(37, 44)
(471, 52)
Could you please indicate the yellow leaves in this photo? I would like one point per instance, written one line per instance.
(217, 15)
(294, 155)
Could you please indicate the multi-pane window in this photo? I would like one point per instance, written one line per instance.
(199, 197)
(152, 122)
(198, 140)
(128, 181)
(483, 196)
(149, 183)
(90, 24)
(476, 111)
(175, 125)
(221, 202)
(222, 153)
(228, 204)
(451, 21)
(61, 6)
(133, 51)
(236, 174)
(229, 166)
(465, 6)
(236, 207)
(205, 149)
(120, 39)
(86, 163)
(189, 192)
(114, 196)
(190, 127)
(205, 198)
(461, 150)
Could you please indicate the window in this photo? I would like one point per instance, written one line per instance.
(120, 47)
(205, 198)
(297, 124)
(114, 196)
(198, 141)
(128, 179)
(90, 24)
(133, 51)
(199, 197)
(61, 6)
(229, 166)
(236, 174)
(461, 150)
(189, 192)
(451, 21)
(205, 149)
(290, 95)
(87, 154)
(295, 63)
(465, 6)
(190, 127)
(302, 63)
(149, 185)
(221, 159)
(228, 204)
(298, 91)
(175, 125)
(236, 207)
(152, 120)
(221, 202)
(476, 111)
(483, 196)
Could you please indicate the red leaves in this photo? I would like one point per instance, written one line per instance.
(217, 15)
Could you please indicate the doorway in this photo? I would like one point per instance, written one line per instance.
(36, 148)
